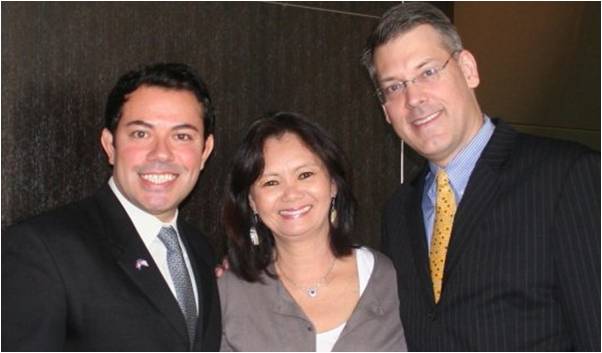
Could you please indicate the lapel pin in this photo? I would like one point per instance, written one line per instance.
(140, 263)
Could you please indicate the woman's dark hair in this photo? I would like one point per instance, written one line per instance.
(166, 75)
(248, 261)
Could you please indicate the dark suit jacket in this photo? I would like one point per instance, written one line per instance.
(523, 264)
(69, 282)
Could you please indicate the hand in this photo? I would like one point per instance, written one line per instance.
(222, 268)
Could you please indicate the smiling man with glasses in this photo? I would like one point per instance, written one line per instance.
(395, 90)
(497, 242)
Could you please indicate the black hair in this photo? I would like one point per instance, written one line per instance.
(167, 75)
(248, 261)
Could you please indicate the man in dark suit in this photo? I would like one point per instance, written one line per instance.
(497, 241)
(120, 271)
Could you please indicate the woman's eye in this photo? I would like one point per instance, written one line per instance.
(270, 183)
(305, 175)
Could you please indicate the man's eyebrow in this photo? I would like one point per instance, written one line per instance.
(150, 126)
(422, 64)
(139, 122)
(185, 126)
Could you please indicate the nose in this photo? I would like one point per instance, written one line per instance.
(415, 95)
(161, 150)
(291, 192)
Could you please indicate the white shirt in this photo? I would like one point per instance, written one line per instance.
(365, 264)
(148, 227)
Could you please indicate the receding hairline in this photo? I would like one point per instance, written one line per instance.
(441, 38)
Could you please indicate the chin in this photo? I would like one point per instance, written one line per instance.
(157, 208)
(293, 233)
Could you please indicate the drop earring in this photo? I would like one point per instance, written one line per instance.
(253, 231)
(333, 212)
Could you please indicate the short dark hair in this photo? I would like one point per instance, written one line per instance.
(167, 75)
(403, 18)
(247, 260)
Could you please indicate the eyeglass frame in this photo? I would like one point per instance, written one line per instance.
(418, 78)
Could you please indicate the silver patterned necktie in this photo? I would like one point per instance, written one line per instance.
(181, 279)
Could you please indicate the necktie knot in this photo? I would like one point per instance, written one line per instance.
(442, 179)
(169, 237)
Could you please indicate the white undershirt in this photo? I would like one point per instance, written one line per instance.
(148, 227)
(365, 264)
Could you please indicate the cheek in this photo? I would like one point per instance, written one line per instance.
(398, 122)
(264, 200)
(322, 191)
(328, 193)
(190, 157)
(128, 155)
(395, 114)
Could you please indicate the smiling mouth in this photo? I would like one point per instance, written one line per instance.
(158, 179)
(295, 213)
(426, 119)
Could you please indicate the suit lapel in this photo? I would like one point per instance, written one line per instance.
(202, 270)
(129, 252)
(417, 235)
(483, 189)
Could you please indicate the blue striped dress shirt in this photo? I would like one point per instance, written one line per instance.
(458, 170)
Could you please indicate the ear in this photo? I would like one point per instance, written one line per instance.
(386, 114)
(252, 203)
(106, 140)
(333, 189)
(468, 65)
(207, 149)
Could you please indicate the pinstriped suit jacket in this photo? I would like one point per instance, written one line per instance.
(523, 265)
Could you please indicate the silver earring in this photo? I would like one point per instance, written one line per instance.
(253, 231)
(333, 212)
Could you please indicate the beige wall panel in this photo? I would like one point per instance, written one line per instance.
(539, 64)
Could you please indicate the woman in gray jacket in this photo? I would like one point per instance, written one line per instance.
(296, 281)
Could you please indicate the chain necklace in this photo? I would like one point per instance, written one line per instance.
(310, 291)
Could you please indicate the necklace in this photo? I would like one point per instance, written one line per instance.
(310, 291)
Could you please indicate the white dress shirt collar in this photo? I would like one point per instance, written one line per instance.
(147, 225)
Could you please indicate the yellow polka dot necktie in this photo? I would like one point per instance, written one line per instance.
(445, 209)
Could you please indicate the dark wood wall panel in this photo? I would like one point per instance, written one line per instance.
(59, 60)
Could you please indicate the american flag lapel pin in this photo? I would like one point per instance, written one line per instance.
(140, 263)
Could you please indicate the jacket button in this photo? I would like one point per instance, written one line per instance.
(431, 315)
(309, 328)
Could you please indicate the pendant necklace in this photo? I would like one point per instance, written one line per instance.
(310, 291)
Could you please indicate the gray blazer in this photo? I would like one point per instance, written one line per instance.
(264, 317)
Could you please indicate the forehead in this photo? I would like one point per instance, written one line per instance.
(163, 105)
(288, 148)
(409, 49)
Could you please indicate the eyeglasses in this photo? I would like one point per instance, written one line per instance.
(397, 89)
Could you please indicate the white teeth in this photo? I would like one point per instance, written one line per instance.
(295, 213)
(158, 178)
(426, 119)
